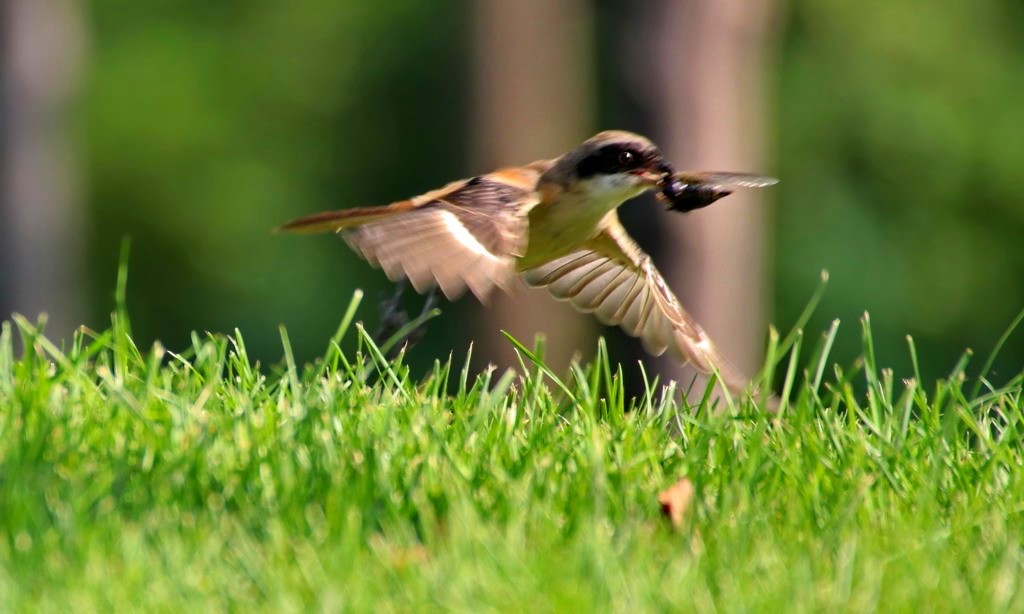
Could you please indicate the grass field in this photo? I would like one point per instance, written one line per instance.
(133, 477)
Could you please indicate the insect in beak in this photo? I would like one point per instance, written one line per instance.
(688, 191)
(685, 197)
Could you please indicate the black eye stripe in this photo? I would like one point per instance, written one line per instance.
(614, 158)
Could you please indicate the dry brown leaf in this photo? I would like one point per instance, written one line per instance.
(676, 501)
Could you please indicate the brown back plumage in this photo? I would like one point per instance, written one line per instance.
(333, 221)
(464, 235)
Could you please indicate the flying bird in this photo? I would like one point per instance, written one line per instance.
(552, 223)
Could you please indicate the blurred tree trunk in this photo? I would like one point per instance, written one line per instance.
(711, 60)
(40, 217)
(534, 98)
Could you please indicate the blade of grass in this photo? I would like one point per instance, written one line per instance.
(540, 365)
(995, 352)
(330, 362)
(805, 315)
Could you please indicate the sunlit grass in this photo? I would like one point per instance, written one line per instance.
(135, 477)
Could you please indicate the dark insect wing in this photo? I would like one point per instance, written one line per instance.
(721, 179)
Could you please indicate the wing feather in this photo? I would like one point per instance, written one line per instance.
(611, 277)
(467, 234)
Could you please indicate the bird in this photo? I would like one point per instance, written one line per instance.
(553, 224)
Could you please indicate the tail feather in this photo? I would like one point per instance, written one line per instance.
(333, 221)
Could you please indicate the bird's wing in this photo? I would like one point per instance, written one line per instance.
(466, 234)
(611, 277)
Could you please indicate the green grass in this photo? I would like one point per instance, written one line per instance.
(134, 477)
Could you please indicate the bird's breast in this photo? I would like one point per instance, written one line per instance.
(561, 222)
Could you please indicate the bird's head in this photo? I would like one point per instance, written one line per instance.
(612, 165)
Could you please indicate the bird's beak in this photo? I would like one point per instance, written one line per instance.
(653, 176)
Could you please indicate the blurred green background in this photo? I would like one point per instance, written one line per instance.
(900, 137)
(896, 126)
(208, 124)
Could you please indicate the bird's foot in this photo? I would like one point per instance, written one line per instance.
(394, 334)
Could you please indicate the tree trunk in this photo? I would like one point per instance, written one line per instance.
(40, 216)
(534, 99)
(711, 66)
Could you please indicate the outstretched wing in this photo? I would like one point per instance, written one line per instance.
(464, 235)
(615, 280)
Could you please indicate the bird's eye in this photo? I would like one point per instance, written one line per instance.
(610, 160)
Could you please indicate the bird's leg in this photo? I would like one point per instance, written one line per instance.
(416, 334)
(393, 318)
(431, 301)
